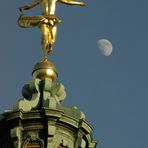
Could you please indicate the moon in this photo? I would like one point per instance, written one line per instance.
(105, 47)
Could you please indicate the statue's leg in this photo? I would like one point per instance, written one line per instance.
(48, 37)
(45, 37)
(52, 37)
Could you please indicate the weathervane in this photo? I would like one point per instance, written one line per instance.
(47, 21)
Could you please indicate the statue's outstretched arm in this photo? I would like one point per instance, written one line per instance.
(29, 6)
(72, 2)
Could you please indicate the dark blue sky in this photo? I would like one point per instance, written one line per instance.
(112, 91)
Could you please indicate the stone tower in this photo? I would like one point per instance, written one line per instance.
(39, 119)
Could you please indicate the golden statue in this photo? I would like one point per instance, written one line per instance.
(47, 21)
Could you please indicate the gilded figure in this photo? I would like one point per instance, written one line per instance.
(47, 21)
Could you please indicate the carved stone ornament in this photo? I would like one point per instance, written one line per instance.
(41, 93)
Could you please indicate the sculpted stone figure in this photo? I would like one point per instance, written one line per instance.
(47, 21)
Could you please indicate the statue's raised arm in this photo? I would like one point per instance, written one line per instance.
(72, 2)
(29, 6)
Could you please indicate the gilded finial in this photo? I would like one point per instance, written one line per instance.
(47, 21)
(45, 69)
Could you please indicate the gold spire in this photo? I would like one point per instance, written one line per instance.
(47, 21)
